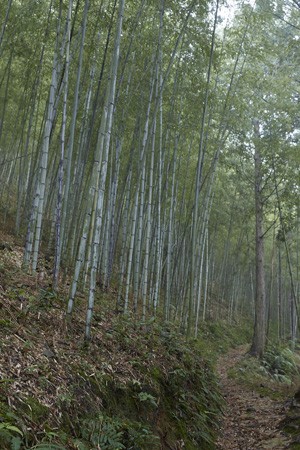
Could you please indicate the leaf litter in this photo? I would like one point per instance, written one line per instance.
(251, 421)
(48, 376)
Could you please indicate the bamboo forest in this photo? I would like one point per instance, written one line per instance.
(149, 224)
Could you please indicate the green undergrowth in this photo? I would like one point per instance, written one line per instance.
(275, 375)
(285, 367)
(217, 337)
(135, 386)
(130, 388)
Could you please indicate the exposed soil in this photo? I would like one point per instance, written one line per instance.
(251, 421)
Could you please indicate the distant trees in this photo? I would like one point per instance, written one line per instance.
(269, 137)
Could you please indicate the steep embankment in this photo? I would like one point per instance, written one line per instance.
(136, 386)
(252, 420)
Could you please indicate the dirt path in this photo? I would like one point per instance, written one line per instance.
(251, 421)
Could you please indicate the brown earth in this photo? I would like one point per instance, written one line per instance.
(251, 421)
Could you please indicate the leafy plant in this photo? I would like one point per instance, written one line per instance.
(140, 436)
(10, 436)
(280, 363)
(104, 432)
(145, 397)
(45, 446)
(16, 443)
(79, 444)
(4, 426)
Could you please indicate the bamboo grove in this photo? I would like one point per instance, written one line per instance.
(127, 142)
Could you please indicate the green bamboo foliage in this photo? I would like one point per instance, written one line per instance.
(5, 23)
(125, 149)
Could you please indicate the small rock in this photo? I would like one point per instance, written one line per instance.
(48, 352)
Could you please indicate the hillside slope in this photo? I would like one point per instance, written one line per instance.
(135, 386)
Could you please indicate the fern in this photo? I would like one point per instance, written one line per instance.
(103, 431)
(10, 428)
(45, 446)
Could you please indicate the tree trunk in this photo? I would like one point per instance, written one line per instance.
(259, 336)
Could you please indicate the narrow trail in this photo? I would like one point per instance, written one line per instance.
(251, 422)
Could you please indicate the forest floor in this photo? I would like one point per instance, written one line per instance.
(252, 421)
(135, 385)
(169, 399)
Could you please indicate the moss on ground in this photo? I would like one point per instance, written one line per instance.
(216, 337)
